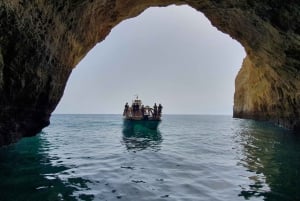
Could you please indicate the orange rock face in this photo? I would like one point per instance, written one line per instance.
(42, 41)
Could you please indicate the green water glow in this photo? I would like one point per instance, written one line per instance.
(95, 157)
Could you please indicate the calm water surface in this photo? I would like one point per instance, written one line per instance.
(189, 158)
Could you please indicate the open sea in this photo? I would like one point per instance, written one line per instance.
(188, 158)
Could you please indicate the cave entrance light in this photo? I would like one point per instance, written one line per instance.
(171, 55)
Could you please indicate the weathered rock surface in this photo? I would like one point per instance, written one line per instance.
(41, 41)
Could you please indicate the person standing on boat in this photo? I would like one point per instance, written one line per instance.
(143, 110)
(133, 109)
(159, 109)
(125, 113)
(155, 110)
(137, 109)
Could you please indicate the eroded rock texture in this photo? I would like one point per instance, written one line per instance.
(41, 41)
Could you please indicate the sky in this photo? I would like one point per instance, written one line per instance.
(171, 55)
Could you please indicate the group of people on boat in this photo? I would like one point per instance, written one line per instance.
(137, 110)
(157, 110)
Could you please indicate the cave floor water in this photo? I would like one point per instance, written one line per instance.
(189, 158)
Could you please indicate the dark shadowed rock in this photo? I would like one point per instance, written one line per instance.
(42, 41)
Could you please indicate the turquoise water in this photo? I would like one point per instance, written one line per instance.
(189, 158)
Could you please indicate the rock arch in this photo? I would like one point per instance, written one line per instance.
(41, 41)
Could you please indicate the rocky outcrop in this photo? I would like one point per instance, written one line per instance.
(41, 42)
(265, 93)
(268, 85)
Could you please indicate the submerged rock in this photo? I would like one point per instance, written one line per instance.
(42, 41)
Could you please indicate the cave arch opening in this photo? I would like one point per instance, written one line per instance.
(171, 55)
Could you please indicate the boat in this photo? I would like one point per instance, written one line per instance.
(138, 114)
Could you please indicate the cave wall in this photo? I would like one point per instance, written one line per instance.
(42, 41)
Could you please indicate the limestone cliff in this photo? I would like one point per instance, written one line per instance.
(41, 41)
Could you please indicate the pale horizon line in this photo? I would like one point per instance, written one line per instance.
(121, 114)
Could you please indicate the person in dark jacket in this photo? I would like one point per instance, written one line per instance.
(155, 110)
(159, 109)
(126, 109)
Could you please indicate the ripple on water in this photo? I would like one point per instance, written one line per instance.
(92, 157)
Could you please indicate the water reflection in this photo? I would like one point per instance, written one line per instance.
(140, 136)
(25, 168)
(272, 157)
